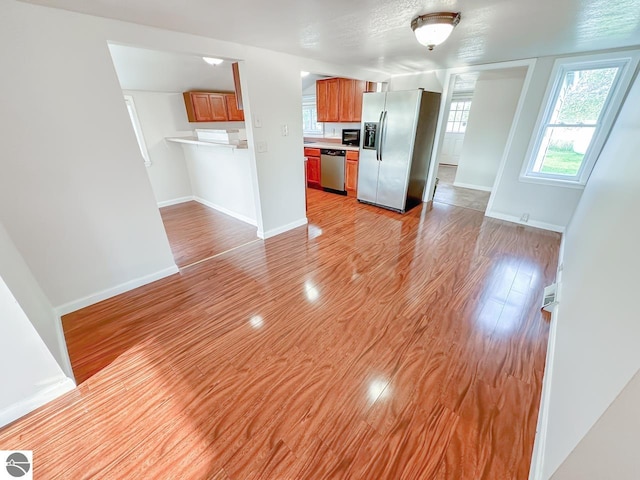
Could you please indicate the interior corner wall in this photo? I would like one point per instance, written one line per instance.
(494, 103)
(549, 206)
(610, 449)
(26, 290)
(30, 375)
(161, 115)
(597, 329)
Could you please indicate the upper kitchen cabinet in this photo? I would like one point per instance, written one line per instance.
(339, 99)
(328, 100)
(233, 113)
(211, 107)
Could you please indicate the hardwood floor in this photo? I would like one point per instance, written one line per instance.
(369, 345)
(197, 232)
(447, 193)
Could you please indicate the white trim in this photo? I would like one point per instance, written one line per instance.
(472, 186)
(285, 228)
(47, 393)
(512, 132)
(539, 446)
(66, 308)
(226, 211)
(175, 201)
(530, 223)
(137, 129)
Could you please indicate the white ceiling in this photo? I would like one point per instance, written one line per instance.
(376, 33)
(155, 71)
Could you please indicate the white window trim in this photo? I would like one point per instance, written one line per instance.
(137, 129)
(627, 61)
(308, 100)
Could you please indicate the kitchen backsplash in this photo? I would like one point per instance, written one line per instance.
(334, 130)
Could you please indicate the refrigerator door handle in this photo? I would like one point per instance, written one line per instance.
(378, 140)
(383, 124)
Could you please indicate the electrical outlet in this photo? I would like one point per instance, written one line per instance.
(257, 121)
(285, 129)
(524, 218)
(261, 146)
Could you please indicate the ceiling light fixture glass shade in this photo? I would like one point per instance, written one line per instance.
(434, 28)
(213, 61)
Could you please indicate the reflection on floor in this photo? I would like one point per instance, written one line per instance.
(197, 232)
(367, 345)
(461, 197)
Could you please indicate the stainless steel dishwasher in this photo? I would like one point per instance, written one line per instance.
(332, 170)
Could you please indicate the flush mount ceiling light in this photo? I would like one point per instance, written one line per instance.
(434, 28)
(213, 61)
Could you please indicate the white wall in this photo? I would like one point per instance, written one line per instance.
(30, 375)
(221, 178)
(33, 301)
(493, 107)
(163, 115)
(610, 449)
(548, 206)
(596, 327)
(430, 81)
(74, 195)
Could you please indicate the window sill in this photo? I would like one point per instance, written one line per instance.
(552, 182)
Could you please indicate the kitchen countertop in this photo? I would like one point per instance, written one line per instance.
(335, 146)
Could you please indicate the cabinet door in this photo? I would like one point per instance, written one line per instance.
(327, 100)
(218, 107)
(313, 172)
(360, 87)
(201, 107)
(351, 176)
(233, 114)
(347, 94)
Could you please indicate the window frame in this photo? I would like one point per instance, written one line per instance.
(137, 129)
(627, 62)
(462, 97)
(311, 101)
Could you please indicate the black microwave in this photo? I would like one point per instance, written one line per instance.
(350, 137)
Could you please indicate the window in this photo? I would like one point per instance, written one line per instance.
(458, 115)
(310, 125)
(583, 99)
(131, 108)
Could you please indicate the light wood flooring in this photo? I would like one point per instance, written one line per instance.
(197, 232)
(368, 345)
(447, 193)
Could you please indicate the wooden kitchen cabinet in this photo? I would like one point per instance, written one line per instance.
(233, 114)
(211, 107)
(339, 99)
(351, 172)
(328, 100)
(351, 99)
(313, 167)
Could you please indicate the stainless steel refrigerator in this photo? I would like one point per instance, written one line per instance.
(396, 140)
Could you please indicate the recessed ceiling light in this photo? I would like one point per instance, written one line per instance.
(304, 74)
(213, 61)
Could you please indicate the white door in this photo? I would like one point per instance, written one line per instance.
(451, 148)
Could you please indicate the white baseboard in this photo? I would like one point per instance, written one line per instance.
(539, 447)
(285, 228)
(175, 201)
(530, 223)
(62, 346)
(47, 393)
(472, 186)
(226, 211)
(113, 291)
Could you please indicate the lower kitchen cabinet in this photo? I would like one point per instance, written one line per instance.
(351, 172)
(313, 167)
